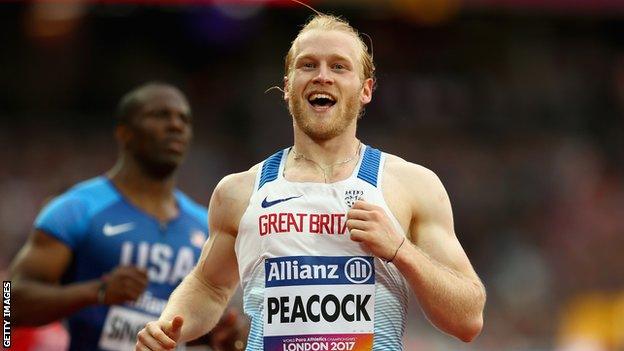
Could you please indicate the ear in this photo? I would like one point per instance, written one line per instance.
(123, 134)
(367, 91)
(286, 90)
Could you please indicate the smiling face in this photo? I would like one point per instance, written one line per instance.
(325, 89)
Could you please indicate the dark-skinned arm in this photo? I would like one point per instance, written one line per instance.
(38, 297)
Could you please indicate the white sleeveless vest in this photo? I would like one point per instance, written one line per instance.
(306, 285)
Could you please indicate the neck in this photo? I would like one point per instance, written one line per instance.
(326, 152)
(138, 186)
(325, 160)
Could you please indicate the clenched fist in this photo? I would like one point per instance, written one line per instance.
(124, 283)
(370, 225)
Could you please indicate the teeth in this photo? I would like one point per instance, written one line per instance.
(321, 96)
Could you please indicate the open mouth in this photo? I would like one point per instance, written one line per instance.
(175, 145)
(321, 101)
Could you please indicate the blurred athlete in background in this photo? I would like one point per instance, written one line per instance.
(328, 235)
(107, 253)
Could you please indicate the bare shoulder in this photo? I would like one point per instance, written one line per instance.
(414, 190)
(411, 175)
(230, 199)
(237, 186)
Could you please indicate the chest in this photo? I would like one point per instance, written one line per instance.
(307, 218)
(398, 204)
(167, 252)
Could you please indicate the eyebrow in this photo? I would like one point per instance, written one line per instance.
(332, 57)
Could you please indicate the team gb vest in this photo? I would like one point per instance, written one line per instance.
(306, 285)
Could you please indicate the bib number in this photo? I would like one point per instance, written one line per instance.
(319, 303)
(121, 327)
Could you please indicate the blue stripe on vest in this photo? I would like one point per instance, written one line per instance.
(270, 168)
(370, 166)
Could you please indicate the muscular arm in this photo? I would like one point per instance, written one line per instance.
(430, 257)
(37, 296)
(203, 295)
(435, 264)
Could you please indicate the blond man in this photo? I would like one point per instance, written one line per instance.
(327, 237)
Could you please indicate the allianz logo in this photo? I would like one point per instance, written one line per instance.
(357, 270)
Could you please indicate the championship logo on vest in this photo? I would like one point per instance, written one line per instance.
(351, 196)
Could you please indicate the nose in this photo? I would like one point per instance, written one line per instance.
(177, 122)
(324, 75)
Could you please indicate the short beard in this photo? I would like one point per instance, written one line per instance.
(338, 124)
(156, 169)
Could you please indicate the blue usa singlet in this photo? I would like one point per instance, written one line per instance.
(104, 230)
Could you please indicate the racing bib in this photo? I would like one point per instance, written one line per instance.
(121, 327)
(315, 303)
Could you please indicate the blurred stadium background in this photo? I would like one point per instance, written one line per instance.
(516, 104)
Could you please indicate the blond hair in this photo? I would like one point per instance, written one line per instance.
(328, 22)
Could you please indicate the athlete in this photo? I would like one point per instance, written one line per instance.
(107, 253)
(327, 236)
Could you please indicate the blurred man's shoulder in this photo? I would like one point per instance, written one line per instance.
(91, 185)
(93, 191)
